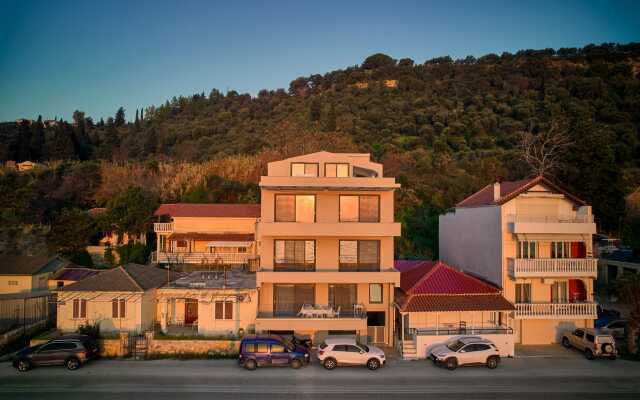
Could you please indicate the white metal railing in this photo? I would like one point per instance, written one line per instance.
(204, 258)
(556, 310)
(523, 267)
(568, 218)
(163, 227)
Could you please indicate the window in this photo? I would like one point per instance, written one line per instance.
(250, 347)
(578, 333)
(51, 347)
(262, 348)
(79, 308)
(242, 249)
(223, 310)
(277, 348)
(560, 249)
(352, 349)
(559, 292)
(359, 255)
(336, 170)
(343, 296)
(294, 254)
(375, 293)
(181, 243)
(363, 208)
(60, 284)
(523, 293)
(295, 208)
(590, 338)
(289, 299)
(118, 308)
(527, 249)
(304, 169)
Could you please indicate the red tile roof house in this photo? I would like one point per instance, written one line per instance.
(437, 302)
(206, 234)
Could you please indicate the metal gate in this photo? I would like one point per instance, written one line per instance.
(138, 346)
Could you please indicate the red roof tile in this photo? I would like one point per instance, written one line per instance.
(511, 189)
(429, 303)
(223, 237)
(209, 210)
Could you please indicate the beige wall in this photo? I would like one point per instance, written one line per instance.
(23, 283)
(99, 310)
(545, 331)
(214, 225)
(283, 167)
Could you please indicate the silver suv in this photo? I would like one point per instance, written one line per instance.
(466, 350)
(336, 351)
(592, 342)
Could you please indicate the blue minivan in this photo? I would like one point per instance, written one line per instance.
(271, 351)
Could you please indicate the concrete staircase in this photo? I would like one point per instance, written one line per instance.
(409, 351)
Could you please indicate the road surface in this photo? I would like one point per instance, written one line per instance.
(535, 378)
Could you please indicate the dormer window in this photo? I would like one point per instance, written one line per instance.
(336, 170)
(304, 169)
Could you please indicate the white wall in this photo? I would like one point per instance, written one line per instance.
(504, 343)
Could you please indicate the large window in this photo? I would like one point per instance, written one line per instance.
(289, 299)
(359, 255)
(304, 169)
(527, 249)
(559, 292)
(336, 170)
(292, 255)
(295, 208)
(523, 293)
(223, 310)
(343, 296)
(361, 208)
(560, 249)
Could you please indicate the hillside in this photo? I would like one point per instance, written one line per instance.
(444, 128)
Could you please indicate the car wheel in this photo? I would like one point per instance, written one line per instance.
(330, 363)
(492, 362)
(373, 364)
(607, 349)
(72, 364)
(566, 343)
(295, 364)
(589, 354)
(250, 365)
(23, 365)
(451, 363)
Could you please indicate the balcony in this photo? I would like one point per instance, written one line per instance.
(562, 224)
(250, 260)
(556, 310)
(553, 267)
(313, 317)
(322, 229)
(323, 275)
(163, 227)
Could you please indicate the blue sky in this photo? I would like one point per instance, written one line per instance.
(59, 56)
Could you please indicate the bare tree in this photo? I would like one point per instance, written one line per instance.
(543, 151)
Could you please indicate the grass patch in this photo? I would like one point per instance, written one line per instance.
(192, 356)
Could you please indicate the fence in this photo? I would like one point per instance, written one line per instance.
(19, 310)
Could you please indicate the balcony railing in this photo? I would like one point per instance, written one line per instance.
(497, 330)
(359, 268)
(294, 267)
(316, 311)
(163, 227)
(205, 258)
(550, 267)
(569, 219)
(555, 310)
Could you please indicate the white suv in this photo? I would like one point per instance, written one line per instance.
(347, 351)
(466, 350)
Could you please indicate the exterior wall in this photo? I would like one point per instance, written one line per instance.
(23, 283)
(99, 311)
(547, 331)
(214, 225)
(470, 239)
(158, 346)
(283, 167)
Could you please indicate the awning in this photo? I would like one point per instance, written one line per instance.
(228, 244)
(559, 237)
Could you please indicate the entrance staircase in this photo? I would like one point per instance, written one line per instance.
(409, 351)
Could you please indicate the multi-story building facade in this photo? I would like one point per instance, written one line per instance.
(533, 239)
(211, 234)
(326, 247)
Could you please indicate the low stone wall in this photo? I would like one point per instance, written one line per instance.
(108, 347)
(161, 346)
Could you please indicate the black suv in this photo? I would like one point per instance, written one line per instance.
(70, 350)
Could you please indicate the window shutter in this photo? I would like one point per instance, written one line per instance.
(83, 308)
(114, 308)
(76, 308)
(228, 310)
(219, 310)
(123, 304)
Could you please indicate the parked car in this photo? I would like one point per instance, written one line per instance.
(348, 351)
(271, 351)
(466, 350)
(71, 351)
(615, 328)
(592, 342)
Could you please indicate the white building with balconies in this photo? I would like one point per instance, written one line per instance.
(533, 239)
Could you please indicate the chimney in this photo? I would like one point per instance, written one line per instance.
(496, 191)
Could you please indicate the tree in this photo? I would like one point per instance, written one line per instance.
(131, 211)
(315, 109)
(378, 60)
(543, 152)
(628, 289)
(133, 253)
(120, 117)
(331, 122)
(70, 232)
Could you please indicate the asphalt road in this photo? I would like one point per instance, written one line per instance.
(536, 377)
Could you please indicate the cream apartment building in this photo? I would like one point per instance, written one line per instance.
(534, 240)
(326, 248)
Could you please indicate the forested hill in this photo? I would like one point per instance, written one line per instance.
(444, 128)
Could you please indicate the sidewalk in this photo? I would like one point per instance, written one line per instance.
(545, 351)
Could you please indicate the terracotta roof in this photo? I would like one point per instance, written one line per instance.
(29, 265)
(436, 286)
(74, 274)
(209, 210)
(428, 303)
(127, 278)
(510, 190)
(222, 237)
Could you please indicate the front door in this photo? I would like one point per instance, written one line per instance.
(376, 321)
(577, 291)
(190, 311)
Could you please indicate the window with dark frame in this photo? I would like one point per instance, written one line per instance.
(118, 308)
(295, 208)
(294, 254)
(79, 308)
(359, 255)
(223, 310)
(375, 293)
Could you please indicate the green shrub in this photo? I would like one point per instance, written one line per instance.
(90, 330)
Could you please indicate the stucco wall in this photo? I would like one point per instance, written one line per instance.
(99, 310)
(283, 167)
(545, 331)
(23, 283)
(214, 225)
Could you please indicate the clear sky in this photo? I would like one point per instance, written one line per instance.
(59, 56)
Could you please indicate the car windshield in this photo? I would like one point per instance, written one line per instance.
(362, 346)
(455, 345)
